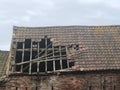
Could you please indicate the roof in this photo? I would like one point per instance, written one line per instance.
(99, 46)
(3, 59)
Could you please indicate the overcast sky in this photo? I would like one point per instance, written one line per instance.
(55, 12)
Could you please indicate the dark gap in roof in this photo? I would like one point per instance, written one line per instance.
(42, 67)
(42, 43)
(63, 52)
(34, 44)
(57, 65)
(19, 45)
(34, 54)
(26, 67)
(56, 52)
(49, 54)
(64, 64)
(18, 57)
(26, 55)
(49, 65)
(49, 43)
(34, 67)
(42, 53)
(18, 68)
(27, 43)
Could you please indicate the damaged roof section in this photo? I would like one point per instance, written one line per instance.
(65, 48)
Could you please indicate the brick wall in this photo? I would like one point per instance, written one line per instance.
(77, 81)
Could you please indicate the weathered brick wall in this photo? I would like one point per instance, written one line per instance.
(87, 81)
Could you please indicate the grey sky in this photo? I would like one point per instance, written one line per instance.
(55, 12)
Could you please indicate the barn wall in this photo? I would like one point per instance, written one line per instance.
(71, 81)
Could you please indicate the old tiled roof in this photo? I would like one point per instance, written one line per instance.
(99, 45)
(3, 59)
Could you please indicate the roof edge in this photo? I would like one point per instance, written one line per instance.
(17, 27)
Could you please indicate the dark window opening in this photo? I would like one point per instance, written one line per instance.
(19, 45)
(34, 54)
(26, 67)
(27, 43)
(42, 67)
(57, 65)
(18, 57)
(50, 66)
(64, 64)
(71, 64)
(18, 68)
(34, 67)
(42, 43)
(26, 55)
